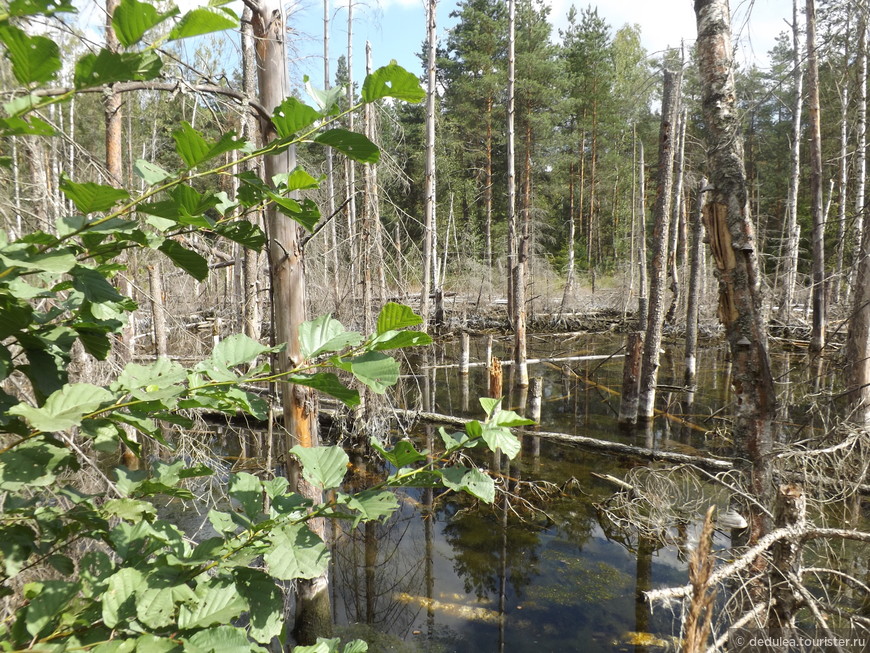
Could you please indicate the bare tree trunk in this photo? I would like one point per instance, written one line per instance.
(429, 181)
(843, 170)
(158, 310)
(313, 614)
(366, 230)
(732, 242)
(642, 282)
(692, 313)
(253, 259)
(817, 339)
(517, 286)
(350, 168)
(792, 229)
(677, 213)
(330, 173)
(861, 148)
(662, 217)
(569, 267)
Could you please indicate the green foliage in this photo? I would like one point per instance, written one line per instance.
(144, 584)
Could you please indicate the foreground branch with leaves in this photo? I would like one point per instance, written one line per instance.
(95, 566)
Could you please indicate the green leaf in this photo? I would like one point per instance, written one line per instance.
(48, 604)
(292, 115)
(510, 418)
(247, 490)
(221, 521)
(103, 433)
(237, 349)
(352, 144)
(94, 285)
(371, 504)
(17, 543)
(189, 261)
(401, 455)
(396, 316)
(40, 7)
(33, 125)
(242, 232)
(296, 180)
(392, 81)
(400, 339)
(216, 602)
(89, 197)
(489, 404)
(155, 607)
(133, 18)
(118, 600)
(65, 407)
(473, 481)
(499, 437)
(54, 261)
(220, 639)
(158, 380)
(323, 467)
(110, 67)
(265, 603)
(203, 21)
(194, 149)
(330, 384)
(326, 100)
(149, 643)
(35, 59)
(150, 173)
(296, 552)
(378, 371)
(129, 509)
(325, 334)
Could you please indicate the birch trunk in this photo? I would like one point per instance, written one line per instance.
(817, 338)
(861, 148)
(792, 229)
(693, 300)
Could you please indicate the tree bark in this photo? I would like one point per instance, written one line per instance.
(676, 216)
(313, 615)
(843, 169)
(662, 217)
(642, 281)
(817, 338)
(861, 148)
(792, 229)
(732, 242)
(693, 300)
(429, 180)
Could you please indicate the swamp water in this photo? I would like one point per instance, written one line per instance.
(539, 570)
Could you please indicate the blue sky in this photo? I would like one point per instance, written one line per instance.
(396, 28)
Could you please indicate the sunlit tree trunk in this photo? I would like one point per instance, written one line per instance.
(792, 228)
(694, 293)
(569, 267)
(330, 172)
(861, 148)
(843, 170)
(350, 166)
(817, 338)
(732, 243)
(429, 180)
(313, 615)
(642, 281)
(676, 217)
(658, 272)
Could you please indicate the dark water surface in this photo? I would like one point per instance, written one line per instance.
(536, 571)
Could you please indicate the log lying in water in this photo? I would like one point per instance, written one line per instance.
(591, 444)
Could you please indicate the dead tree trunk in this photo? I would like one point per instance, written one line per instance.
(330, 173)
(429, 181)
(792, 229)
(817, 338)
(692, 314)
(861, 148)
(843, 170)
(642, 282)
(313, 614)
(676, 217)
(732, 242)
(662, 217)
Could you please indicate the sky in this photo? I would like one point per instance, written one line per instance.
(396, 28)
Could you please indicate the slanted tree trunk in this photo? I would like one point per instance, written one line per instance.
(429, 180)
(792, 228)
(313, 614)
(662, 217)
(732, 242)
(817, 337)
